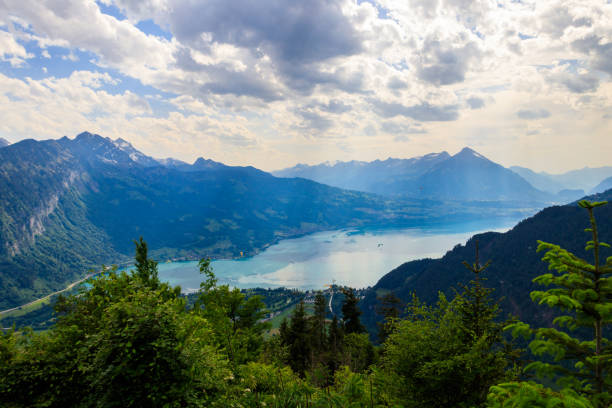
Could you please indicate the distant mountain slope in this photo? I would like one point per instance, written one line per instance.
(542, 181)
(469, 175)
(603, 186)
(378, 176)
(582, 179)
(70, 204)
(515, 261)
(4, 142)
(465, 176)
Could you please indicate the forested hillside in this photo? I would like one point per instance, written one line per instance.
(514, 262)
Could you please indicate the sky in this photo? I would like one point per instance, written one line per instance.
(272, 83)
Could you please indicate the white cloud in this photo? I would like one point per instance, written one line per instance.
(12, 51)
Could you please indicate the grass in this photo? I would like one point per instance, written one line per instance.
(30, 307)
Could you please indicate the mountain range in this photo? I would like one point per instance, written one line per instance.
(72, 204)
(514, 262)
(583, 180)
(464, 176)
(4, 142)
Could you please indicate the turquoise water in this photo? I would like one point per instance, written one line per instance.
(356, 258)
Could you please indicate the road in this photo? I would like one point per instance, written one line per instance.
(72, 285)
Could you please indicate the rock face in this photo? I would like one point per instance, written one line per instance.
(465, 176)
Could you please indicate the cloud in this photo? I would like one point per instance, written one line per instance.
(395, 84)
(290, 32)
(82, 25)
(226, 79)
(599, 49)
(401, 129)
(313, 120)
(423, 112)
(444, 64)
(12, 51)
(474, 102)
(577, 83)
(532, 114)
(335, 106)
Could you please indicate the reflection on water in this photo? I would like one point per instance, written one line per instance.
(356, 258)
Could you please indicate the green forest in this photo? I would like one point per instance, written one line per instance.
(129, 340)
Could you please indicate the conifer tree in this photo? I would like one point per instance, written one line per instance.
(334, 340)
(318, 322)
(351, 313)
(584, 291)
(479, 331)
(298, 341)
(474, 304)
(389, 308)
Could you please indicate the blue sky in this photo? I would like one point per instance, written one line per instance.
(277, 82)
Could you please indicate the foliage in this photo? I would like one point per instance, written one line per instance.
(583, 291)
(127, 341)
(236, 319)
(351, 313)
(530, 394)
(447, 355)
(389, 309)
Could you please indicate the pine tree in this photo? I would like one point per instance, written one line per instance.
(389, 309)
(584, 291)
(351, 313)
(335, 340)
(318, 322)
(474, 304)
(479, 331)
(298, 341)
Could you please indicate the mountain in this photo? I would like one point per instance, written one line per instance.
(379, 177)
(603, 186)
(470, 176)
(72, 204)
(135, 155)
(465, 176)
(174, 163)
(542, 181)
(4, 142)
(582, 179)
(515, 262)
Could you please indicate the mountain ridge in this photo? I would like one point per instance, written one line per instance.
(466, 175)
(584, 179)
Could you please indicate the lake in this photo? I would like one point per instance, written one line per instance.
(356, 258)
